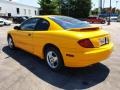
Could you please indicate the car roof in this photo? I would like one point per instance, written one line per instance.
(47, 16)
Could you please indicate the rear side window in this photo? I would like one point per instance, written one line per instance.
(42, 25)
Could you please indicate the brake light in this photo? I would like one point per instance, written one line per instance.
(86, 43)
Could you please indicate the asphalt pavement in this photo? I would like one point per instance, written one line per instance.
(20, 70)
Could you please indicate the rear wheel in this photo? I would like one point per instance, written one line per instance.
(54, 58)
(10, 42)
(103, 22)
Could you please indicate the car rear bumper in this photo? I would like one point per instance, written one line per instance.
(88, 58)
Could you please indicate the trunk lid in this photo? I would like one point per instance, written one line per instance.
(96, 35)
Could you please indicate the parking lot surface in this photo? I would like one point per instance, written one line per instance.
(20, 70)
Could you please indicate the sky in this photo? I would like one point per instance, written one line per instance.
(27, 2)
(107, 3)
(95, 3)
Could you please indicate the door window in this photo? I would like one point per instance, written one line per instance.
(29, 25)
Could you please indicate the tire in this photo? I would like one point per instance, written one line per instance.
(10, 42)
(5, 23)
(103, 22)
(54, 58)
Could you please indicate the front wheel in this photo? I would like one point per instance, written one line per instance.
(54, 58)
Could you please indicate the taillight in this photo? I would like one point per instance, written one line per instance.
(86, 43)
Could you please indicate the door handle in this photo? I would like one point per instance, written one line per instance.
(29, 34)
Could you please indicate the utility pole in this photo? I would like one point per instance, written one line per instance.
(109, 13)
(100, 6)
(103, 4)
(116, 6)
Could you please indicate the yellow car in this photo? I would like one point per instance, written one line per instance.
(61, 41)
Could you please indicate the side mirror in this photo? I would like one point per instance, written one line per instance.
(17, 27)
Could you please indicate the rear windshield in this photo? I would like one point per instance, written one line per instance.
(68, 22)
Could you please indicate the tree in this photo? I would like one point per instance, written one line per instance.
(117, 11)
(76, 8)
(95, 11)
(48, 6)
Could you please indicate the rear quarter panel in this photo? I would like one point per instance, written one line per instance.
(66, 41)
(59, 39)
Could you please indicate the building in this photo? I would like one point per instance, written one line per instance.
(9, 8)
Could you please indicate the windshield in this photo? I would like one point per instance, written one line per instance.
(68, 22)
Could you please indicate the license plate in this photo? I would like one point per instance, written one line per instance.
(103, 41)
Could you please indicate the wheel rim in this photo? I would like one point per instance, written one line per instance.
(52, 59)
(10, 43)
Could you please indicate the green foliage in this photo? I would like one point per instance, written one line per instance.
(118, 11)
(95, 11)
(48, 6)
(74, 8)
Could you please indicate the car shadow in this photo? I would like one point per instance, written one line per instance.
(69, 78)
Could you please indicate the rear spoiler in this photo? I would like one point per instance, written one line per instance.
(85, 29)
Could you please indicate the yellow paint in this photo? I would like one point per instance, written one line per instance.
(66, 41)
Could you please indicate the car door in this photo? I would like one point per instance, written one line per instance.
(40, 35)
(24, 36)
